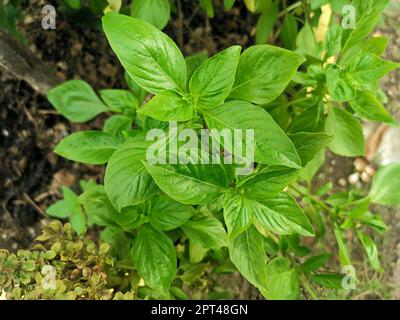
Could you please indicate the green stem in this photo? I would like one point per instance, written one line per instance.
(308, 288)
(289, 8)
(296, 101)
(124, 266)
(306, 13)
(347, 205)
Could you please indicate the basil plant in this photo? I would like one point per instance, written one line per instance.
(177, 212)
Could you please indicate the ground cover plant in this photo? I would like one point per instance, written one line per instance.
(174, 223)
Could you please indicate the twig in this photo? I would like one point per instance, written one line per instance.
(289, 8)
(43, 111)
(33, 204)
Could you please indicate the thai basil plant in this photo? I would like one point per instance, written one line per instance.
(175, 211)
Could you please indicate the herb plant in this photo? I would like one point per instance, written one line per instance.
(168, 220)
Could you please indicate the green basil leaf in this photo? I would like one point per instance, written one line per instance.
(344, 254)
(340, 89)
(76, 100)
(257, 6)
(190, 183)
(168, 106)
(375, 45)
(167, 214)
(247, 253)
(192, 273)
(310, 120)
(368, 13)
(333, 40)
(288, 32)
(119, 241)
(282, 215)
(269, 182)
(228, 4)
(128, 218)
(263, 73)
(316, 4)
(348, 137)
(282, 281)
(70, 196)
(272, 145)
(196, 252)
(194, 61)
(72, 209)
(337, 5)
(237, 214)
(211, 83)
(98, 207)
(156, 12)
(314, 263)
(78, 222)
(266, 23)
(154, 256)
(371, 250)
(328, 280)
(74, 4)
(386, 185)
(119, 100)
(370, 68)
(178, 293)
(91, 147)
(147, 123)
(305, 41)
(149, 56)
(208, 7)
(126, 181)
(368, 107)
(309, 144)
(137, 90)
(61, 210)
(368, 218)
(311, 168)
(208, 232)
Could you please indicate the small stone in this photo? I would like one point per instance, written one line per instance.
(365, 177)
(31, 231)
(354, 178)
(370, 170)
(342, 182)
(360, 164)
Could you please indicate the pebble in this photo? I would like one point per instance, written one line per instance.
(5, 132)
(354, 178)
